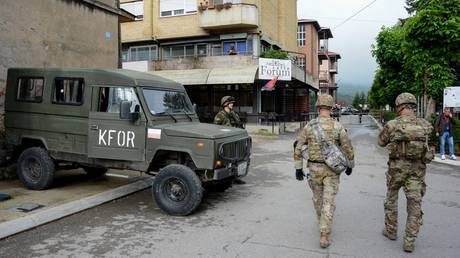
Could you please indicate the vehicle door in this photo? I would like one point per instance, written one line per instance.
(110, 136)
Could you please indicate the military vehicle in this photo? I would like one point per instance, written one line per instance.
(98, 119)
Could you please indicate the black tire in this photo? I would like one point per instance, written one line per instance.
(177, 190)
(35, 168)
(95, 172)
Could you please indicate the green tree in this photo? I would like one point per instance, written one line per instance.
(359, 99)
(421, 56)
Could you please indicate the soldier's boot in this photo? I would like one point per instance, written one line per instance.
(408, 246)
(324, 240)
(390, 235)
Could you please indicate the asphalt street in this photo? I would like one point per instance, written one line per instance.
(271, 216)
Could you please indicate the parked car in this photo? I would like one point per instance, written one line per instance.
(98, 119)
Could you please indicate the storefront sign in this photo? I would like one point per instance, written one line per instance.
(270, 68)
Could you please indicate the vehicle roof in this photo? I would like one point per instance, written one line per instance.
(121, 77)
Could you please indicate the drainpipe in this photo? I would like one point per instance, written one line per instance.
(119, 38)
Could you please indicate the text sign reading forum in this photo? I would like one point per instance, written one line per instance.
(270, 68)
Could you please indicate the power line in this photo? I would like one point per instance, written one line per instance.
(355, 20)
(349, 18)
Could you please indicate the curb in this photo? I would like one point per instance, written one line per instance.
(12, 227)
(447, 163)
(376, 123)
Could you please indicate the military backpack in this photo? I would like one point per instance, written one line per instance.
(409, 140)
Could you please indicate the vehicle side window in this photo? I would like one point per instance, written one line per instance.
(68, 91)
(110, 98)
(30, 89)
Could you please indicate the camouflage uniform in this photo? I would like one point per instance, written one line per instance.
(227, 119)
(406, 173)
(324, 182)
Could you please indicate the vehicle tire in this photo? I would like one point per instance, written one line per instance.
(177, 190)
(95, 171)
(35, 168)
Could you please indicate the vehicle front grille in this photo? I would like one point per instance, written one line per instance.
(235, 151)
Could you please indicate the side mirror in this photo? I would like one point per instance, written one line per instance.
(125, 111)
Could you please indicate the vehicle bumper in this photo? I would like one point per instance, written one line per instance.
(236, 170)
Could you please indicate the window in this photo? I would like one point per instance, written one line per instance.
(216, 50)
(141, 53)
(202, 50)
(300, 62)
(184, 51)
(136, 8)
(235, 47)
(110, 99)
(30, 89)
(162, 102)
(68, 91)
(301, 35)
(177, 7)
(216, 2)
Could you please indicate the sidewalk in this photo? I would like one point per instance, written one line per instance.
(72, 192)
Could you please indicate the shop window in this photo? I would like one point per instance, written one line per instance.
(136, 8)
(177, 7)
(30, 89)
(68, 91)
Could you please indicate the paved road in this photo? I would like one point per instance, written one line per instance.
(271, 216)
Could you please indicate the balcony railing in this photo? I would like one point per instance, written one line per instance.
(228, 15)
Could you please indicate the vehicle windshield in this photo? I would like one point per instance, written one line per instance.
(162, 102)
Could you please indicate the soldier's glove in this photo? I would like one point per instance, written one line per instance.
(348, 171)
(299, 174)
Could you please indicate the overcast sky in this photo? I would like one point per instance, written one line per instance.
(354, 38)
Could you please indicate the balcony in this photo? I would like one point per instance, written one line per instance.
(233, 16)
(323, 76)
(333, 67)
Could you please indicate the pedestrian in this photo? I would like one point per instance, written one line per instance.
(324, 182)
(406, 138)
(444, 128)
(228, 117)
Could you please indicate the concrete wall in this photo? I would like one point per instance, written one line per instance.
(207, 62)
(56, 33)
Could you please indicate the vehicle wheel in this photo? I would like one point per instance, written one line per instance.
(35, 168)
(177, 190)
(95, 172)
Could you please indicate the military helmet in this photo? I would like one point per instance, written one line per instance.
(325, 100)
(405, 98)
(227, 100)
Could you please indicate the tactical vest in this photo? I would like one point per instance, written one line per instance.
(409, 140)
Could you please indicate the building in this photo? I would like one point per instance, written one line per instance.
(308, 45)
(213, 47)
(328, 65)
(59, 33)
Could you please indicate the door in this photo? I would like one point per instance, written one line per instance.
(110, 137)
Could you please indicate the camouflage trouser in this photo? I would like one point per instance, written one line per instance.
(410, 176)
(324, 184)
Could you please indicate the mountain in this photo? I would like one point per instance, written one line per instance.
(347, 91)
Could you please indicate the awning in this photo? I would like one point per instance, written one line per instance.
(245, 74)
(234, 75)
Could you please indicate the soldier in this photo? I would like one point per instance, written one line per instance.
(228, 117)
(323, 182)
(406, 138)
